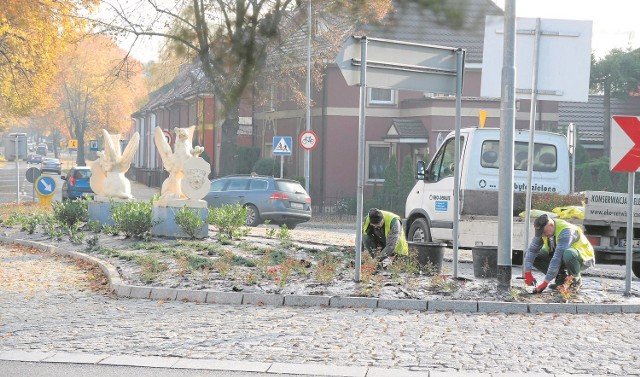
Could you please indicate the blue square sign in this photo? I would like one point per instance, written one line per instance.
(282, 145)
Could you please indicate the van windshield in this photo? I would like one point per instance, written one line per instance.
(544, 156)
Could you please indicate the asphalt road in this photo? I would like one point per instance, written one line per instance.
(13, 179)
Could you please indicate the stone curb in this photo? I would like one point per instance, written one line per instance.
(120, 289)
(275, 368)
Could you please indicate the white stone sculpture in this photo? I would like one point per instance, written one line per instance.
(176, 162)
(108, 171)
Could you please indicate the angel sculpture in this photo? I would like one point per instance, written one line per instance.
(174, 162)
(107, 172)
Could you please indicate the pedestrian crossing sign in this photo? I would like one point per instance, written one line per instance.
(282, 145)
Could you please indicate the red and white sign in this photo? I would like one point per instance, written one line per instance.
(308, 140)
(625, 144)
(168, 136)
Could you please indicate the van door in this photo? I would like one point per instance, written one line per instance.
(438, 191)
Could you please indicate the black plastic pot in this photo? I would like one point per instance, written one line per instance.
(429, 255)
(485, 261)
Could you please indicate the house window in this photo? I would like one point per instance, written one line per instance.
(377, 161)
(379, 96)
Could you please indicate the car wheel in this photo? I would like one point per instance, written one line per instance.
(635, 267)
(253, 216)
(419, 231)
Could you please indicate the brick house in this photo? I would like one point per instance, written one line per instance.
(398, 123)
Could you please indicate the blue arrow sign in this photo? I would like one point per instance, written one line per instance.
(45, 185)
(282, 145)
(93, 145)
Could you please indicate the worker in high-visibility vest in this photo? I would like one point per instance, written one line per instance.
(560, 250)
(382, 235)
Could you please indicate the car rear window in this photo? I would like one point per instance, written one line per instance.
(289, 186)
(258, 185)
(237, 184)
(82, 174)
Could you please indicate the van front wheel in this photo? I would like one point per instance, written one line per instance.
(419, 231)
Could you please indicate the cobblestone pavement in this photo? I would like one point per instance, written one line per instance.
(51, 304)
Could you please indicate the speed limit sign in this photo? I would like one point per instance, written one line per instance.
(308, 140)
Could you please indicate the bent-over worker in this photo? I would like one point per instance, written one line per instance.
(383, 230)
(559, 249)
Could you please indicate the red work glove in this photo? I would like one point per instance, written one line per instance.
(529, 279)
(540, 288)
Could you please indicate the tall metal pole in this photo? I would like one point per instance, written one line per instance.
(17, 170)
(308, 87)
(507, 124)
(532, 130)
(629, 255)
(361, 146)
(574, 138)
(456, 181)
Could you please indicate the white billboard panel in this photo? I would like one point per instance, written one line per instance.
(563, 67)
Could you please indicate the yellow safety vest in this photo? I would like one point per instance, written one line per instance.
(582, 245)
(402, 247)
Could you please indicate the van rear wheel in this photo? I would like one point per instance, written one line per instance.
(419, 231)
(635, 266)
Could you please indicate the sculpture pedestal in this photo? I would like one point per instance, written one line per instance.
(100, 209)
(164, 213)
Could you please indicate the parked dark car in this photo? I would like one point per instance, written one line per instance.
(76, 183)
(52, 165)
(34, 159)
(282, 201)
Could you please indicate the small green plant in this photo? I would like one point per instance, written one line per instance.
(284, 235)
(515, 293)
(229, 221)
(188, 220)
(271, 232)
(133, 218)
(70, 212)
(150, 267)
(94, 226)
(326, 269)
(29, 223)
(209, 248)
(93, 242)
(403, 265)
(110, 229)
(76, 235)
(53, 228)
(251, 278)
(223, 264)
(368, 268)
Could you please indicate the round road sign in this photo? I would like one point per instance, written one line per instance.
(168, 136)
(32, 174)
(45, 185)
(308, 140)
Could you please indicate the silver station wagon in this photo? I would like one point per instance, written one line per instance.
(282, 201)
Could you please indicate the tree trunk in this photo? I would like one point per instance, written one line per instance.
(228, 143)
(607, 118)
(80, 157)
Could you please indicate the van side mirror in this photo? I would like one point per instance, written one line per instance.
(420, 170)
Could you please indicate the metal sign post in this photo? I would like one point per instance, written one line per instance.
(282, 147)
(17, 169)
(625, 134)
(388, 64)
(361, 145)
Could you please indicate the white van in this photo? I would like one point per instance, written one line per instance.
(429, 206)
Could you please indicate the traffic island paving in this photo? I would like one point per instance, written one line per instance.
(118, 288)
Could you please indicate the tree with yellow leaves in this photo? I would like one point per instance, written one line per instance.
(95, 89)
(32, 36)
